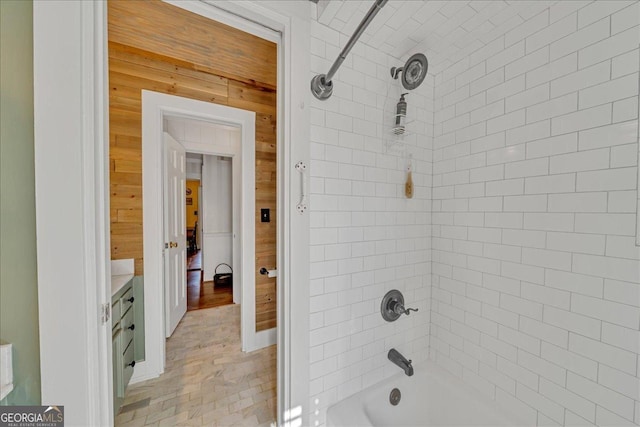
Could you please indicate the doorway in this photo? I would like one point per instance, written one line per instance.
(209, 208)
(81, 127)
(156, 107)
(206, 339)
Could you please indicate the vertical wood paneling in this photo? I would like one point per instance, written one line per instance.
(159, 47)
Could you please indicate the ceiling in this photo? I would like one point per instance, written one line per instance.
(185, 129)
(182, 128)
(444, 30)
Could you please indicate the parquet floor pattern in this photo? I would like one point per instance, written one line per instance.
(208, 380)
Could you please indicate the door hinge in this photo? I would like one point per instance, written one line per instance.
(105, 314)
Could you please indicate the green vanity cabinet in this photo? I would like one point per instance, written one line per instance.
(118, 390)
(127, 312)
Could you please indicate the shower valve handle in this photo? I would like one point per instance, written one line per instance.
(398, 308)
(392, 306)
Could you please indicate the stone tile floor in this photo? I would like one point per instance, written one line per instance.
(208, 380)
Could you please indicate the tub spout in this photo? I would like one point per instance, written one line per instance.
(398, 359)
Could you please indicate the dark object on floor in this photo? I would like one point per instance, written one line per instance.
(223, 279)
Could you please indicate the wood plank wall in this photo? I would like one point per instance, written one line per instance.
(160, 47)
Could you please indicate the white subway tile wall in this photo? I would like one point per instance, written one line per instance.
(519, 245)
(366, 237)
(536, 275)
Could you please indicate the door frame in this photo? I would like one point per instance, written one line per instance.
(155, 107)
(71, 154)
(286, 23)
(70, 67)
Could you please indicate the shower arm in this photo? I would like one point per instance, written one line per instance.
(321, 85)
(373, 11)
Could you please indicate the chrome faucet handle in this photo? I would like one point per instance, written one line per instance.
(398, 308)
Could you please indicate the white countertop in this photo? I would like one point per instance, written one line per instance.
(121, 272)
(117, 282)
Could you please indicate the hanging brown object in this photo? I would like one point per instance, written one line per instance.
(408, 186)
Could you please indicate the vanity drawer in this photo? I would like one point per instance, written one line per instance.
(127, 325)
(126, 300)
(128, 361)
(118, 363)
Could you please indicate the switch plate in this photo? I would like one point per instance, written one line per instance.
(265, 216)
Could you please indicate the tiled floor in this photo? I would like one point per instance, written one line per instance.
(208, 380)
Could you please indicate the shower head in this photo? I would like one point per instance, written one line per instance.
(413, 72)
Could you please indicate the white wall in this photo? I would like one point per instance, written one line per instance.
(216, 210)
(536, 279)
(216, 186)
(194, 168)
(366, 237)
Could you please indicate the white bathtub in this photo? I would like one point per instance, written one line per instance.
(431, 397)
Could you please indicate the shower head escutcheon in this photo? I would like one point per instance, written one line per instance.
(321, 87)
(413, 72)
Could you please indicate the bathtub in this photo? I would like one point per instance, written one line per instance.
(431, 397)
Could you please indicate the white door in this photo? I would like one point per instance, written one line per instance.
(175, 252)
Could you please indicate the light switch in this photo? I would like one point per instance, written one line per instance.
(264, 215)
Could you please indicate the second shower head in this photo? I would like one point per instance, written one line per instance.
(413, 72)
